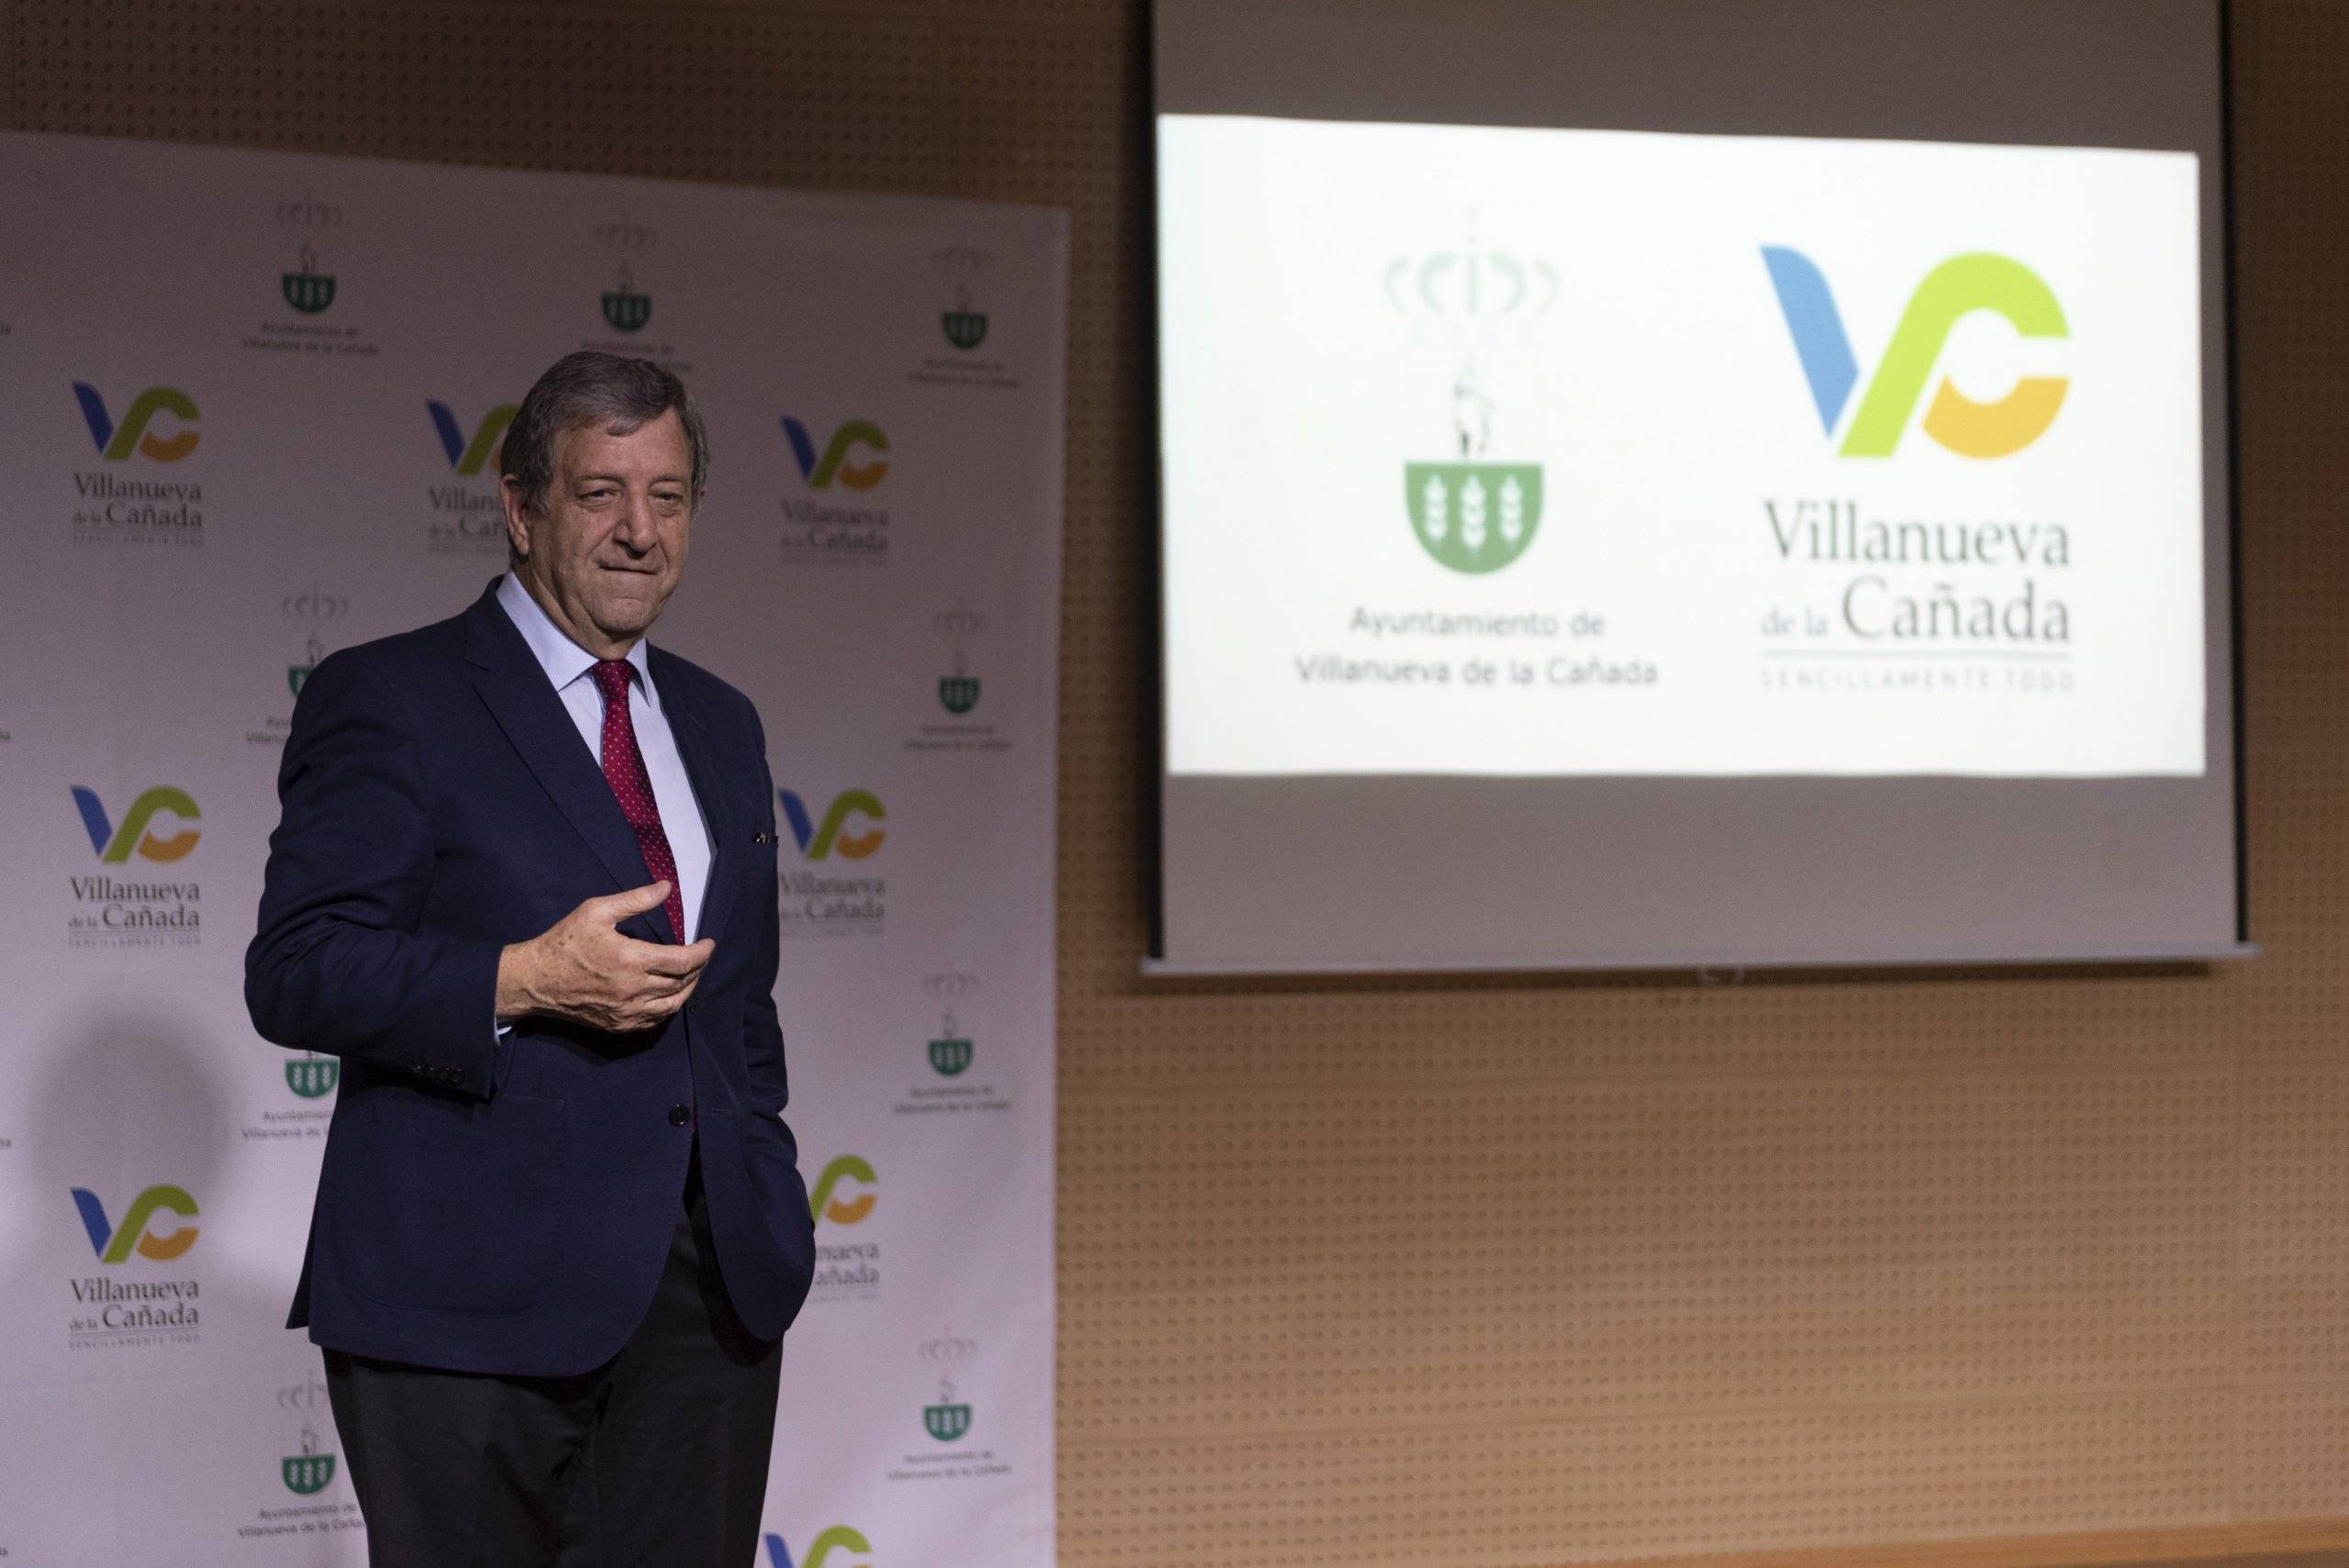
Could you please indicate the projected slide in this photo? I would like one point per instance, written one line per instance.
(1550, 452)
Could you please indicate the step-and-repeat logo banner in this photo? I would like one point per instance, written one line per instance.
(256, 408)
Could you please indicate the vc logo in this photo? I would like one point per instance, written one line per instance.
(114, 844)
(839, 1538)
(820, 471)
(117, 442)
(1955, 289)
(468, 456)
(115, 1246)
(819, 839)
(845, 1168)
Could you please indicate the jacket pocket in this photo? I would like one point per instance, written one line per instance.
(461, 1203)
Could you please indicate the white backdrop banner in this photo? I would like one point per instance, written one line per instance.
(253, 405)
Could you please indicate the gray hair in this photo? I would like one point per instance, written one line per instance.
(588, 388)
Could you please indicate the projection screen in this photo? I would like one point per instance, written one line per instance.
(1690, 482)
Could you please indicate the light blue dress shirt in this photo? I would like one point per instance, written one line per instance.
(566, 664)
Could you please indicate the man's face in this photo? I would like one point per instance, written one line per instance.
(606, 552)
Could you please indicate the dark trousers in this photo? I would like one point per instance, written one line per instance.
(657, 1457)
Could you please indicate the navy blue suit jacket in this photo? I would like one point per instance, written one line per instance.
(504, 1206)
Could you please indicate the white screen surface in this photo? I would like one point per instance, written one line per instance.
(1496, 450)
(1821, 408)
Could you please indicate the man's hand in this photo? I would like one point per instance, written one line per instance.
(583, 969)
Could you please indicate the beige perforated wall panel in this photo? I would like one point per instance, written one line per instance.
(1531, 1272)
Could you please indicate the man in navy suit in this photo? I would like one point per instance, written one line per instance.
(524, 887)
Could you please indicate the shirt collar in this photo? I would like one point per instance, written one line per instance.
(563, 660)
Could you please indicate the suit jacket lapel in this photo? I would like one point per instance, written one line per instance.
(695, 749)
(511, 682)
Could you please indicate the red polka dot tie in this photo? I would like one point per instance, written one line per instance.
(624, 770)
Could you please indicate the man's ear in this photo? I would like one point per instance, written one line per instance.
(518, 516)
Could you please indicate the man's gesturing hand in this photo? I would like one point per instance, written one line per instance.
(581, 968)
